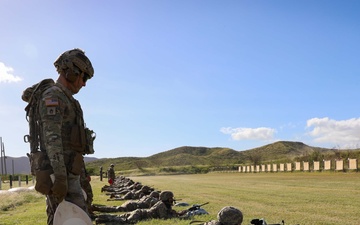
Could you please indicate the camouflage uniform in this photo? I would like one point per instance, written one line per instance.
(86, 186)
(111, 174)
(161, 210)
(58, 137)
(137, 194)
(59, 111)
(157, 211)
(145, 202)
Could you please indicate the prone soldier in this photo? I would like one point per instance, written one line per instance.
(143, 203)
(161, 210)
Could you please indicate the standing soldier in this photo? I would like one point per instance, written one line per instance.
(111, 174)
(101, 173)
(58, 136)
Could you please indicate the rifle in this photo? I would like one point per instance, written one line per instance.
(263, 222)
(196, 207)
(193, 210)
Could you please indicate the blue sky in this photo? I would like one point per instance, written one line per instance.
(237, 74)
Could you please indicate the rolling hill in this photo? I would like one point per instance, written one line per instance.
(278, 152)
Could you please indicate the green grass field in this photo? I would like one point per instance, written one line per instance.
(297, 198)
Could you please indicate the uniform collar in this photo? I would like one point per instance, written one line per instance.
(64, 89)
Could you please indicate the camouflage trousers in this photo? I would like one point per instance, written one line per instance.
(125, 207)
(86, 186)
(127, 218)
(74, 195)
(137, 215)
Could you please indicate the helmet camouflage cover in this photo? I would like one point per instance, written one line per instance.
(230, 216)
(154, 194)
(76, 61)
(166, 195)
(145, 188)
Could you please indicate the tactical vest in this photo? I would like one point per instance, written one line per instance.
(75, 139)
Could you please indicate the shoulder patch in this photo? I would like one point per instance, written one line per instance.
(50, 102)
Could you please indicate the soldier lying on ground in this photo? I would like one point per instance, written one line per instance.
(120, 184)
(143, 203)
(125, 189)
(121, 187)
(132, 194)
(117, 191)
(161, 210)
(120, 181)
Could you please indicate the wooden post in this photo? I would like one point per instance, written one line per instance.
(10, 181)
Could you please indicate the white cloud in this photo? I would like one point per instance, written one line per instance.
(6, 74)
(344, 133)
(241, 133)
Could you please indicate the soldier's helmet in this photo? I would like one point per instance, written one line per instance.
(76, 61)
(155, 194)
(230, 216)
(111, 165)
(145, 188)
(166, 195)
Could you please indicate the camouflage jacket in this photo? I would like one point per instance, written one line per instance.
(157, 211)
(62, 123)
(111, 173)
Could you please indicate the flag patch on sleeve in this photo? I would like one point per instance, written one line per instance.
(51, 102)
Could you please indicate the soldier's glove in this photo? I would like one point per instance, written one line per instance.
(183, 212)
(59, 188)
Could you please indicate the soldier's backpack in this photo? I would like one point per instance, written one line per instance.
(32, 96)
(39, 162)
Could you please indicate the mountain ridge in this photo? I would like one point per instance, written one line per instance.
(278, 152)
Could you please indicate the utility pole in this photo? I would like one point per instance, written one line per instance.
(3, 158)
(1, 164)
